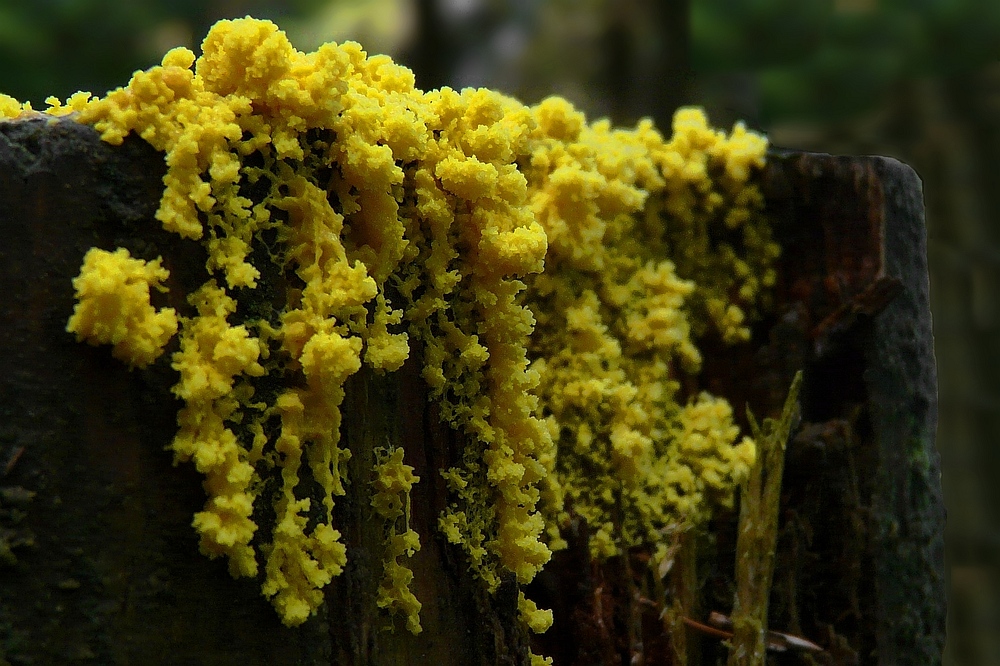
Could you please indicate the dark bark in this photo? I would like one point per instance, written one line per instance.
(860, 567)
(902, 387)
(107, 565)
(99, 559)
(100, 563)
(461, 623)
(869, 470)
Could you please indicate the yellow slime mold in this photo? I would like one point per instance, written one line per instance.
(558, 274)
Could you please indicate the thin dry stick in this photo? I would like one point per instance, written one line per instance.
(758, 531)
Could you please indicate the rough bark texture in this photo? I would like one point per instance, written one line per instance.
(98, 561)
(461, 623)
(107, 566)
(946, 126)
(902, 388)
(859, 563)
(869, 472)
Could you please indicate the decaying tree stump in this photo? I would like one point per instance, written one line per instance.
(860, 563)
(99, 564)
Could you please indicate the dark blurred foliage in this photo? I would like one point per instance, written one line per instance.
(828, 60)
(915, 79)
(56, 47)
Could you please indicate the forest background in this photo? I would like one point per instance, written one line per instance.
(918, 80)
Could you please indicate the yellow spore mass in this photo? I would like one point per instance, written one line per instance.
(11, 108)
(391, 500)
(652, 242)
(557, 273)
(113, 307)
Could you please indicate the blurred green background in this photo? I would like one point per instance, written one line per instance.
(914, 79)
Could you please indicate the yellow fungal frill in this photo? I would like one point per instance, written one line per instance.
(76, 102)
(212, 356)
(113, 306)
(391, 500)
(11, 108)
(652, 243)
(536, 619)
(558, 276)
(246, 130)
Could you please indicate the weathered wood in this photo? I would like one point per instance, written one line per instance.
(99, 561)
(869, 470)
(107, 568)
(860, 567)
(103, 563)
(461, 624)
(901, 380)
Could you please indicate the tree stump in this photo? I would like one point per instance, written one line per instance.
(99, 563)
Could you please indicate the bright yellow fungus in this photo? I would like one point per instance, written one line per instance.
(393, 481)
(212, 356)
(113, 307)
(11, 108)
(538, 620)
(558, 274)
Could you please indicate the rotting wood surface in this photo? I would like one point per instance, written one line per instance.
(99, 562)
(860, 565)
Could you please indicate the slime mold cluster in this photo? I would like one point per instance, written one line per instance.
(557, 273)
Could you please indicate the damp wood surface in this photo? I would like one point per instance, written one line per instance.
(100, 565)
